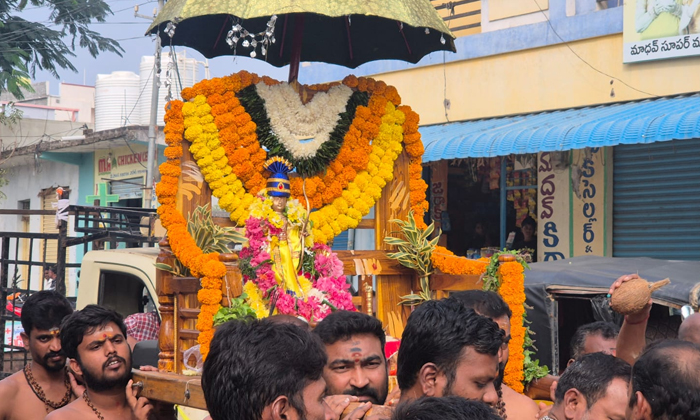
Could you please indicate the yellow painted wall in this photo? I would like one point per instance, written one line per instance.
(539, 79)
(501, 9)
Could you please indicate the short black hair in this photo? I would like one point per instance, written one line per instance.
(341, 325)
(438, 331)
(667, 375)
(445, 408)
(591, 375)
(83, 322)
(253, 362)
(44, 310)
(489, 304)
(528, 221)
(608, 330)
(52, 268)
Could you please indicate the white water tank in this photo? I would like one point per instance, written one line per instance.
(115, 100)
(187, 67)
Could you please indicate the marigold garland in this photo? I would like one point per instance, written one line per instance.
(447, 262)
(512, 290)
(353, 181)
(206, 266)
(225, 145)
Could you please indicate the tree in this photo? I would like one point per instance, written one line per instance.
(27, 46)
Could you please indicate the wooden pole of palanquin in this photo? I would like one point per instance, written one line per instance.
(393, 204)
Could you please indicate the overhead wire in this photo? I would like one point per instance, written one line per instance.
(586, 62)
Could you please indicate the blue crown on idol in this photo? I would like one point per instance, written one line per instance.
(278, 182)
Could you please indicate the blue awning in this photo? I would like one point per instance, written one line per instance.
(648, 121)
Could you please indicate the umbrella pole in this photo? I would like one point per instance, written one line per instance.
(295, 56)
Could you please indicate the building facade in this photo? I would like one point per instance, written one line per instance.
(540, 114)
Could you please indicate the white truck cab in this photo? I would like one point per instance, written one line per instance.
(119, 279)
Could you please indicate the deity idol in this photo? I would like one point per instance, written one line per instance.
(289, 247)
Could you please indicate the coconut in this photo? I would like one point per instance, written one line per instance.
(633, 295)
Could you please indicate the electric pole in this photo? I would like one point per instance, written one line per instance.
(153, 126)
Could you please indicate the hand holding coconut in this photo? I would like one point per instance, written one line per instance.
(630, 295)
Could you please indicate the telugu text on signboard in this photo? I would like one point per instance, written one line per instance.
(658, 29)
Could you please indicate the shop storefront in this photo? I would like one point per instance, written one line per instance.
(124, 171)
(615, 180)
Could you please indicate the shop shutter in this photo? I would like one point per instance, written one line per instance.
(127, 188)
(656, 200)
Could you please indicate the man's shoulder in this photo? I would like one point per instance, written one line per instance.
(69, 412)
(9, 387)
(519, 403)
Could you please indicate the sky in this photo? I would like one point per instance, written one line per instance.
(129, 31)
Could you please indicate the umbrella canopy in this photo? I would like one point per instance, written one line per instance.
(343, 32)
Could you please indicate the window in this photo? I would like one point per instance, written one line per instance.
(608, 4)
(123, 293)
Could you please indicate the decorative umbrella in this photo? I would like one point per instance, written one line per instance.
(344, 32)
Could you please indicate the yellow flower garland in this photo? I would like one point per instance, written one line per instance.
(361, 195)
(347, 206)
(206, 266)
(212, 161)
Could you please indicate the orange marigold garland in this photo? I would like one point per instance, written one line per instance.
(414, 147)
(447, 262)
(508, 280)
(343, 194)
(206, 266)
(512, 291)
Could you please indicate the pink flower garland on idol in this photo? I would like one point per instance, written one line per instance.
(329, 290)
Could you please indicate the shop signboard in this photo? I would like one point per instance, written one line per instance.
(573, 203)
(660, 29)
(120, 163)
(588, 208)
(553, 206)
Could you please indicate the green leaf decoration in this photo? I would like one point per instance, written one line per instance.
(414, 252)
(208, 236)
(238, 309)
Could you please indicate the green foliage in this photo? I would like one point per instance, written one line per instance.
(531, 368)
(491, 280)
(10, 115)
(26, 46)
(3, 182)
(208, 236)
(238, 309)
(414, 251)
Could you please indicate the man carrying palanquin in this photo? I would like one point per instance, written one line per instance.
(95, 341)
(44, 384)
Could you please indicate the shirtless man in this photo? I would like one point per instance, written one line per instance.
(95, 341)
(491, 305)
(43, 385)
(448, 349)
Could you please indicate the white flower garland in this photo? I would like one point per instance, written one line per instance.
(289, 118)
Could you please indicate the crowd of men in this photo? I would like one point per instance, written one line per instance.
(450, 366)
